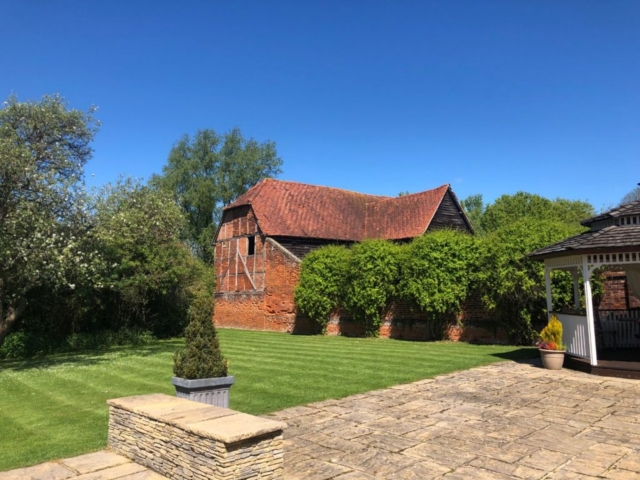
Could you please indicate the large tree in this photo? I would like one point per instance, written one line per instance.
(508, 209)
(208, 171)
(474, 207)
(43, 149)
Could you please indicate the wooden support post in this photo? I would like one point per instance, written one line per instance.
(576, 289)
(588, 298)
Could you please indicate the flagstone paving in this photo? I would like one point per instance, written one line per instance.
(503, 421)
(507, 420)
(102, 465)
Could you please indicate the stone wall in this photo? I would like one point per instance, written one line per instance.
(182, 439)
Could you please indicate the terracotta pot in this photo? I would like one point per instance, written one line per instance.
(552, 359)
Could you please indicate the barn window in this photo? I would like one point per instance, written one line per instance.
(252, 246)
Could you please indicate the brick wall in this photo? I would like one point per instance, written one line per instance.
(616, 295)
(271, 309)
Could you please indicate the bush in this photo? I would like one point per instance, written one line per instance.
(552, 333)
(371, 281)
(322, 283)
(512, 285)
(23, 344)
(437, 271)
(201, 357)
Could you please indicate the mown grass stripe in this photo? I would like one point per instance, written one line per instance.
(56, 406)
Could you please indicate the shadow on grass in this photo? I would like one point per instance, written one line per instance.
(519, 354)
(94, 357)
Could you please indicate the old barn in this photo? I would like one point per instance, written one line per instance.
(266, 232)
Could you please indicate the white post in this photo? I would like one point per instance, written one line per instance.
(588, 298)
(547, 282)
(576, 289)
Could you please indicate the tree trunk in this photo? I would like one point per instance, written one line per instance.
(13, 313)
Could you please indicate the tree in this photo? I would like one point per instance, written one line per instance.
(474, 207)
(632, 196)
(138, 231)
(508, 209)
(512, 285)
(43, 149)
(209, 171)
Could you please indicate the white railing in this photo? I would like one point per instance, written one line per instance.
(624, 327)
(575, 334)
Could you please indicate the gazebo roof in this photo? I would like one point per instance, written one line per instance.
(616, 230)
(614, 238)
(632, 208)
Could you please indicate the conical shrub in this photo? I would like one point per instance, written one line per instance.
(552, 333)
(201, 356)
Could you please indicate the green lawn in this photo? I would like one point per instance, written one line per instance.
(55, 407)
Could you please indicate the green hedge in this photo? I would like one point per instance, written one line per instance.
(436, 273)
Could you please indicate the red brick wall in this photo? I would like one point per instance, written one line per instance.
(272, 309)
(616, 295)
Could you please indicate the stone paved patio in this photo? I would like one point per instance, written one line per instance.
(93, 466)
(507, 420)
(503, 421)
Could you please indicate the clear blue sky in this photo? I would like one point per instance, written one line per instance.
(373, 96)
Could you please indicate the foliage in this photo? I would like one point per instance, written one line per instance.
(437, 270)
(371, 281)
(508, 209)
(147, 266)
(201, 356)
(632, 196)
(512, 285)
(474, 207)
(322, 282)
(43, 148)
(23, 344)
(209, 171)
(277, 370)
(551, 335)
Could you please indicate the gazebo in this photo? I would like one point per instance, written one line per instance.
(604, 343)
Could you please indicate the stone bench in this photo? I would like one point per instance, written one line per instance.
(182, 439)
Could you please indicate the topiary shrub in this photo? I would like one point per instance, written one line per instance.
(322, 283)
(201, 356)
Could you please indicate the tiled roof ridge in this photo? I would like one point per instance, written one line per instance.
(255, 190)
(404, 197)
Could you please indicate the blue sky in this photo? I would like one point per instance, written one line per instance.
(373, 96)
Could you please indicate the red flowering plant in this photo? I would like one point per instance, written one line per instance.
(551, 335)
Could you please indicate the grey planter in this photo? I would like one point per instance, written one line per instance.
(212, 391)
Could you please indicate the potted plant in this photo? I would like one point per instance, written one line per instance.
(551, 348)
(200, 369)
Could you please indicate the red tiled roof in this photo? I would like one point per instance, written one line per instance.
(309, 211)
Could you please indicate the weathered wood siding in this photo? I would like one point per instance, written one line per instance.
(300, 247)
(449, 215)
